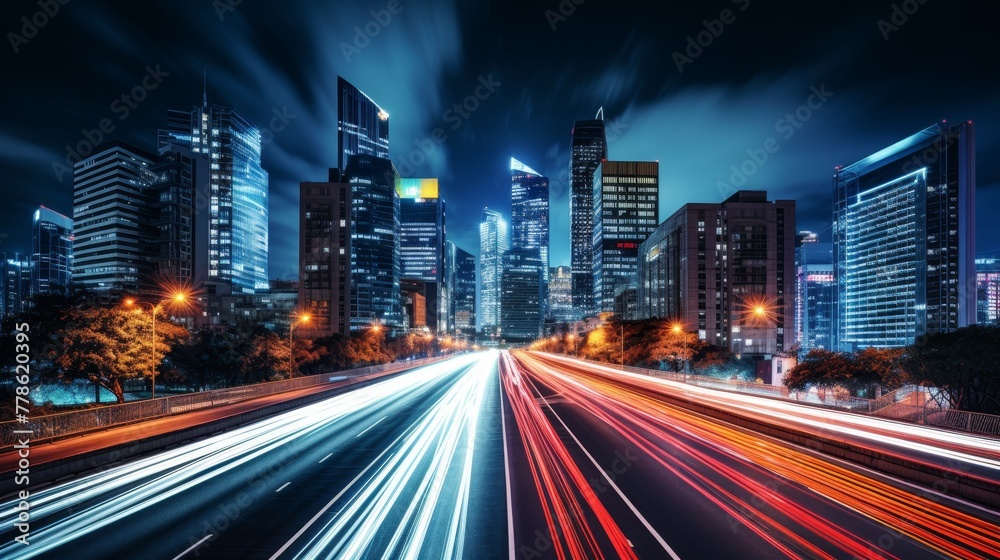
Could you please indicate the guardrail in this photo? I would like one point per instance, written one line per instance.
(80, 421)
(891, 405)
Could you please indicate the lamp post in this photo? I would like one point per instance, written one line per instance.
(178, 297)
(291, 348)
(678, 328)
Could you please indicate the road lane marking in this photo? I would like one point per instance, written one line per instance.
(370, 427)
(194, 546)
(506, 471)
(325, 458)
(329, 504)
(618, 490)
(283, 486)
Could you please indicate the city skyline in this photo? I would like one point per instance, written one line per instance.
(718, 110)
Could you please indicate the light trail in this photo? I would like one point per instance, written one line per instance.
(105, 498)
(656, 428)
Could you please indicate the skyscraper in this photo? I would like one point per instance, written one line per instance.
(987, 291)
(238, 199)
(181, 191)
(460, 287)
(725, 271)
(15, 283)
(362, 126)
(814, 293)
(561, 295)
(52, 252)
(422, 238)
(588, 148)
(375, 243)
(493, 243)
(903, 240)
(112, 205)
(529, 212)
(626, 211)
(325, 255)
(521, 295)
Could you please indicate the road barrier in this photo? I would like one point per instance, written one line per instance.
(54, 426)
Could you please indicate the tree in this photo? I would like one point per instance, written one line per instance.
(964, 364)
(672, 344)
(109, 345)
(863, 373)
(820, 367)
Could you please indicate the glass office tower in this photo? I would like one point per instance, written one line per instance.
(588, 148)
(362, 126)
(52, 252)
(814, 294)
(626, 211)
(422, 237)
(493, 243)
(987, 291)
(238, 204)
(904, 246)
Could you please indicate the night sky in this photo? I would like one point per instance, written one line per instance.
(277, 64)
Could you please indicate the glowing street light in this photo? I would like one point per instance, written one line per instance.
(677, 328)
(176, 298)
(303, 318)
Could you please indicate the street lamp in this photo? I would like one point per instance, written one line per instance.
(572, 339)
(304, 318)
(678, 328)
(179, 297)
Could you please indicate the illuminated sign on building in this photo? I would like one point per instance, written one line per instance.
(407, 187)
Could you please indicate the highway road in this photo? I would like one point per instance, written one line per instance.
(704, 489)
(516, 456)
(412, 463)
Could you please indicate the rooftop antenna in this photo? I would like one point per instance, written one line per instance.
(204, 87)
(600, 113)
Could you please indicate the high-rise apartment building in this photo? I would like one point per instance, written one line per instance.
(52, 252)
(112, 205)
(626, 212)
(725, 271)
(493, 243)
(325, 256)
(238, 192)
(588, 148)
(904, 240)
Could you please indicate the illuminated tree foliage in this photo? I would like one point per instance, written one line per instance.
(862, 373)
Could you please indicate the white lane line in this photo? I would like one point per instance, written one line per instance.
(283, 486)
(506, 471)
(329, 504)
(325, 458)
(194, 546)
(621, 494)
(370, 427)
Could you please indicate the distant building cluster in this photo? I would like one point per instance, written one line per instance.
(374, 249)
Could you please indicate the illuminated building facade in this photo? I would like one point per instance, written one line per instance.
(112, 205)
(521, 295)
(362, 126)
(726, 271)
(814, 294)
(904, 245)
(529, 212)
(987, 291)
(493, 243)
(375, 243)
(588, 148)
(561, 295)
(460, 289)
(15, 283)
(52, 252)
(422, 239)
(626, 210)
(238, 192)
